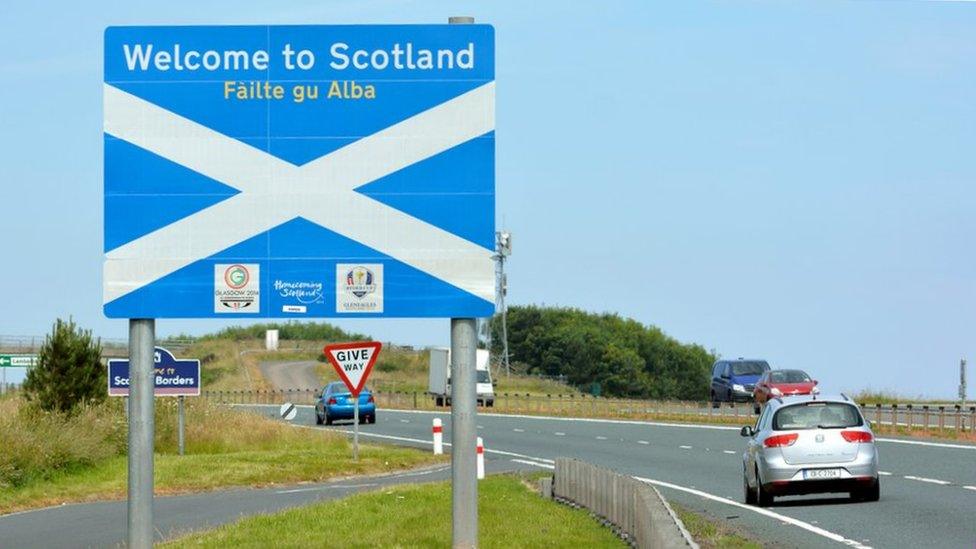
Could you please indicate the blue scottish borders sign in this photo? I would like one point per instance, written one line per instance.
(172, 376)
(299, 171)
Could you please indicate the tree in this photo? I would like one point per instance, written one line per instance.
(69, 370)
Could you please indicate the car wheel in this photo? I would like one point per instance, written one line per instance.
(750, 495)
(731, 400)
(372, 419)
(439, 401)
(763, 498)
(714, 400)
(872, 493)
(328, 420)
(318, 418)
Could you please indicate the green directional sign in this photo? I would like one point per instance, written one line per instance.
(18, 361)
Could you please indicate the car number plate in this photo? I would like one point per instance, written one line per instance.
(819, 474)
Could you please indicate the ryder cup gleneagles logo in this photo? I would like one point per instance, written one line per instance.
(359, 288)
(359, 282)
(237, 288)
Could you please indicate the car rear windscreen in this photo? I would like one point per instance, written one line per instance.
(748, 368)
(816, 415)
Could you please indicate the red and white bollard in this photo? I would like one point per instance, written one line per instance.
(438, 437)
(480, 450)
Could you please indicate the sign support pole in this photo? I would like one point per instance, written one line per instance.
(464, 481)
(355, 429)
(181, 421)
(141, 424)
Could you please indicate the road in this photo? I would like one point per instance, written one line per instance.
(291, 375)
(928, 489)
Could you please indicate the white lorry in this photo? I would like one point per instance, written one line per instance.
(439, 385)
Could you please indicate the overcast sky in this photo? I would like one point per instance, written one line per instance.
(789, 181)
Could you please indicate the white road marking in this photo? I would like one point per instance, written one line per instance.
(314, 488)
(884, 473)
(728, 452)
(537, 464)
(642, 442)
(404, 421)
(601, 438)
(558, 434)
(923, 443)
(651, 423)
(929, 480)
(685, 447)
(519, 430)
(429, 442)
(970, 488)
(766, 512)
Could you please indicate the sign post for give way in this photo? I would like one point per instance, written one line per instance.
(353, 362)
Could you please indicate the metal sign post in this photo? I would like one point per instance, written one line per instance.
(180, 421)
(353, 362)
(141, 408)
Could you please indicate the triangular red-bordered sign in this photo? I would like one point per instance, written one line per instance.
(353, 362)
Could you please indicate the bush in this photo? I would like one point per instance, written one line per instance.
(302, 331)
(625, 357)
(69, 372)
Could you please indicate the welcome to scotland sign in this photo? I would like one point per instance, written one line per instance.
(299, 171)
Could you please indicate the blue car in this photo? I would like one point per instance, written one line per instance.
(734, 380)
(336, 403)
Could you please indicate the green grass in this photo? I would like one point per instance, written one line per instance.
(49, 459)
(710, 533)
(510, 515)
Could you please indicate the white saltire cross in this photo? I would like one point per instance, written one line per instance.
(273, 191)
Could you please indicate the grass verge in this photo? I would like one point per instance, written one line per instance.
(48, 460)
(710, 533)
(510, 515)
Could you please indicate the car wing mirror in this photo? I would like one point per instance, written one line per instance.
(746, 431)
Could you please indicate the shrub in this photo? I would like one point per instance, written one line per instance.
(69, 372)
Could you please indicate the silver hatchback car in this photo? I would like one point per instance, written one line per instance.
(809, 444)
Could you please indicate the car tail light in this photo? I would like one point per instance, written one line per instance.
(857, 436)
(780, 440)
(332, 400)
(370, 399)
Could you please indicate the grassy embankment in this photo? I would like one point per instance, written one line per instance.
(510, 515)
(710, 533)
(49, 459)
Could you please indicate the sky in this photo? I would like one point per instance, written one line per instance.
(791, 181)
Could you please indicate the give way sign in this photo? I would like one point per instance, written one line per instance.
(353, 362)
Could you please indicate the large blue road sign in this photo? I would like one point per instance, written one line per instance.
(299, 171)
(172, 376)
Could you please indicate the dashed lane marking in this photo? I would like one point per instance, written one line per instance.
(728, 452)
(884, 473)
(535, 463)
(685, 447)
(642, 442)
(929, 480)
(558, 434)
(601, 438)
(519, 430)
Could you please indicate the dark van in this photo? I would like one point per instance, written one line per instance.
(734, 380)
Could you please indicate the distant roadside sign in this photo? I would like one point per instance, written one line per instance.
(18, 361)
(353, 362)
(288, 411)
(172, 376)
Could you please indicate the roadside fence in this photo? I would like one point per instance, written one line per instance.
(944, 418)
(635, 510)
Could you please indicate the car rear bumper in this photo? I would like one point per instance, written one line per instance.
(795, 488)
(347, 412)
(780, 477)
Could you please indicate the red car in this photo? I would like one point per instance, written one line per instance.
(777, 383)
